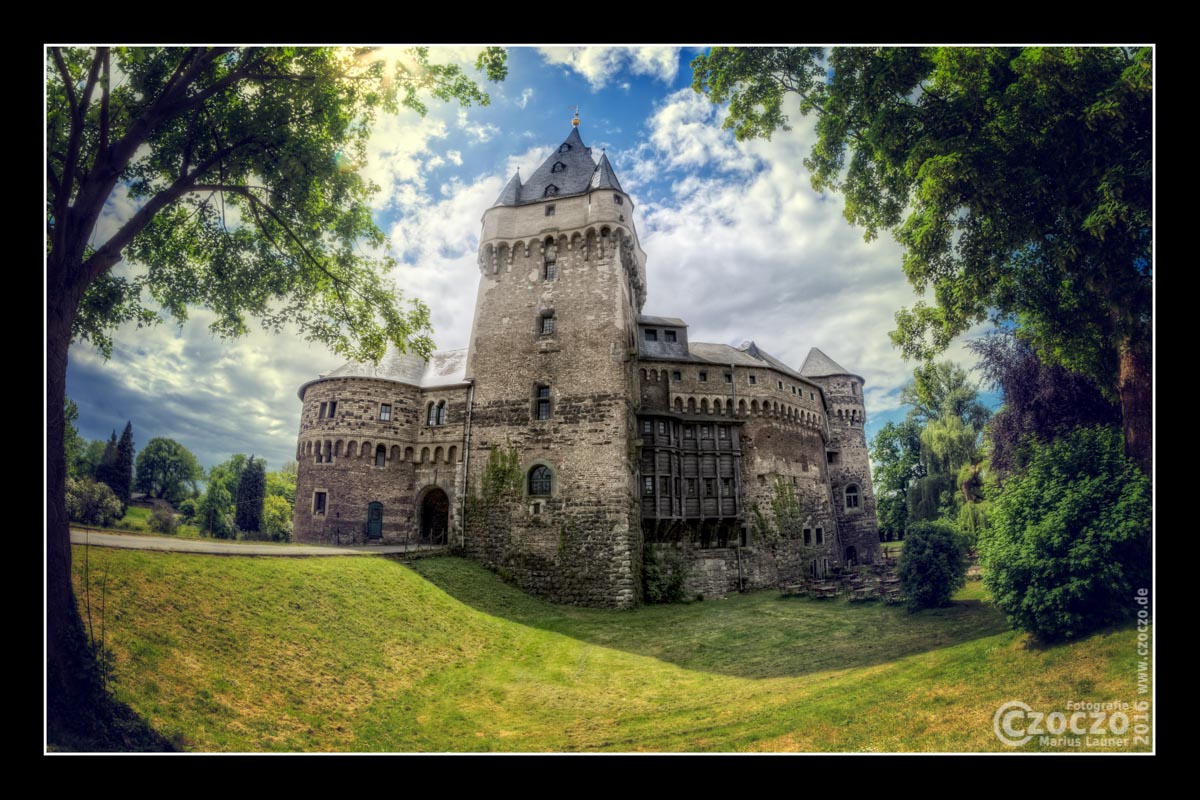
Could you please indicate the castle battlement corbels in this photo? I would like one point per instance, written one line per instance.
(628, 436)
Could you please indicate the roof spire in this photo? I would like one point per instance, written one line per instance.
(575, 119)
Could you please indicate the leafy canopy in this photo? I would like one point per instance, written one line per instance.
(241, 167)
(1018, 180)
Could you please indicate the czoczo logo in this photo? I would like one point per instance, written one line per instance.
(1083, 724)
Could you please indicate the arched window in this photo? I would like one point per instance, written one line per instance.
(380, 456)
(541, 481)
(431, 414)
(851, 497)
(441, 413)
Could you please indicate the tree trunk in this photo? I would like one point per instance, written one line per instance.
(69, 665)
(1135, 387)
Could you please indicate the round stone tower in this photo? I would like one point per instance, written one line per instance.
(847, 459)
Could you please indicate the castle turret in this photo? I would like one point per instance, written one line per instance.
(848, 461)
(552, 354)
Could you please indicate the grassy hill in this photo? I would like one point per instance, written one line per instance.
(368, 654)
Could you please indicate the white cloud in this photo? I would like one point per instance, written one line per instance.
(397, 154)
(454, 157)
(743, 249)
(599, 65)
(526, 95)
(480, 132)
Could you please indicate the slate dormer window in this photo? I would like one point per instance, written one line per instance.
(551, 191)
(669, 336)
(565, 147)
(651, 335)
(559, 167)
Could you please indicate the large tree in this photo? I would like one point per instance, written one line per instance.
(167, 470)
(239, 166)
(1018, 181)
(251, 489)
(122, 473)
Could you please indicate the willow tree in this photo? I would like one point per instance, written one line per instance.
(1017, 180)
(238, 167)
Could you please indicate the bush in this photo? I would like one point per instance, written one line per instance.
(277, 518)
(933, 564)
(663, 573)
(188, 509)
(92, 503)
(162, 518)
(1069, 542)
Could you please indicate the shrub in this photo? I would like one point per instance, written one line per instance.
(92, 503)
(1069, 542)
(277, 518)
(932, 565)
(162, 518)
(663, 573)
(188, 509)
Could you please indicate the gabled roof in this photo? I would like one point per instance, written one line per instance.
(818, 365)
(569, 169)
(444, 368)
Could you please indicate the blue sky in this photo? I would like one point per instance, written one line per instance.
(738, 244)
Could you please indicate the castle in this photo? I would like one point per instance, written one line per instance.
(632, 440)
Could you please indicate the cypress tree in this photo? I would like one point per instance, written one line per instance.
(250, 491)
(122, 473)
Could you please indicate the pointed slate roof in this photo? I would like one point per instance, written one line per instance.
(604, 177)
(512, 192)
(817, 365)
(569, 169)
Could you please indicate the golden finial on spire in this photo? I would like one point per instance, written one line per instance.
(575, 119)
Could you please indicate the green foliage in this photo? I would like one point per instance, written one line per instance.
(973, 521)
(787, 515)
(932, 564)
(122, 467)
(1016, 179)
(188, 509)
(215, 512)
(282, 483)
(73, 444)
(162, 518)
(167, 470)
(251, 491)
(246, 165)
(92, 503)
(896, 458)
(664, 571)
(503, 481)
(277, 518)
(106, 469)
(88, 463)
(1069, 542)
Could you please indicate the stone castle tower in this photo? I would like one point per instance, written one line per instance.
(553, 350)
(631, 440)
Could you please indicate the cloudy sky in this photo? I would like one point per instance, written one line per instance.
(738, 244)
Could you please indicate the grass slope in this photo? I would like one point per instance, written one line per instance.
(229, 653)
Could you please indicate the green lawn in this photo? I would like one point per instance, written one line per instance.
(227, 653)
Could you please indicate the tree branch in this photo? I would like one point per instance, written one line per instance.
(104, 92)
(68, 81)
(110, 252)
